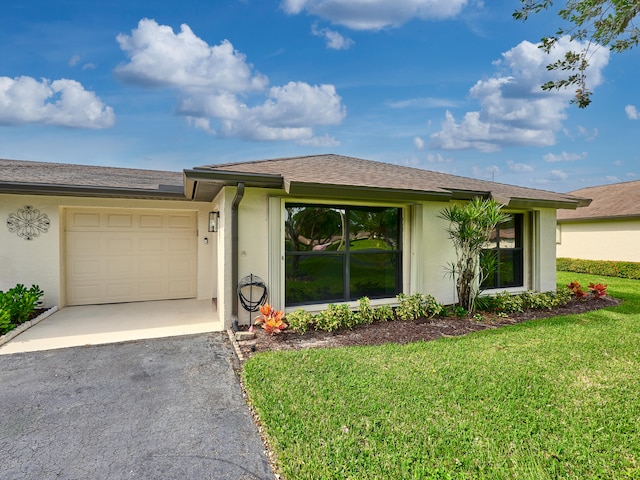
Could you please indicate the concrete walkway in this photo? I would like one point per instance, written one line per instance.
(100, 324)
(168, 408)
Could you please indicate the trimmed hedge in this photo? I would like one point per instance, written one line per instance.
(607, 268)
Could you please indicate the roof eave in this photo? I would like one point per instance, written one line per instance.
(601, 218)
(203, 184)
(362, 192)
(172, 193)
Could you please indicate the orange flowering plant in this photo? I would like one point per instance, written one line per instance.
(271, 320)
(598, 290)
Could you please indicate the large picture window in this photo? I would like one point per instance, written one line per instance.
(341, 253)
(506, 250)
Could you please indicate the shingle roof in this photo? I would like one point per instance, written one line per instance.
(608, 201)
(356, 172)
(79, 178)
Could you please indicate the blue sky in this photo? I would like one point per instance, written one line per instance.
(446, 86)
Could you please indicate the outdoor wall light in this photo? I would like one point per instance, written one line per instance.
(214, 218)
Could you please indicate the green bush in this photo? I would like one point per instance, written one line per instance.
(383, 313)
(411, 307)
(334, 318)
(5, 322)
(365, 312)
(20, 302)
(505, 302)
(299, 321)
(607, 268)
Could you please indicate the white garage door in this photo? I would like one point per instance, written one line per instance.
(124, 255)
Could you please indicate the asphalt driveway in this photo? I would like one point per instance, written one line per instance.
(167, 408)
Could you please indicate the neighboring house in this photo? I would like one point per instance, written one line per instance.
(318, 229)
(608, 229)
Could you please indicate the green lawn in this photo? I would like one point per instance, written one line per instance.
(547, 399)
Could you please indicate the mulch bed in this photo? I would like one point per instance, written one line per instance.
(402, 332)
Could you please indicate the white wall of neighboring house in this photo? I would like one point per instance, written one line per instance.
(615, 240)
(40, 261)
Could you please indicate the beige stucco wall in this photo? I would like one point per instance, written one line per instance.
(427, 248)
(600, 240)
(543, 259)
(40, 261)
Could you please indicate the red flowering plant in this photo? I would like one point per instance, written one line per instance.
(598, 290)
(577, 290)
(271, 320)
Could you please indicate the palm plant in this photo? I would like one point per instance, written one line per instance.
(470, 229)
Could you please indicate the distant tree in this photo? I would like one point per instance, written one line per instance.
(599, 23)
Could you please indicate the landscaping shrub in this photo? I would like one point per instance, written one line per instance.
(607, 268)
(335, 317)
(505, 302)
(16, 306)
(383, 313)
(365, 312)
(411, 307)
(5, 322)
(300, 321)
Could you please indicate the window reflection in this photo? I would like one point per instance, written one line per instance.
(503, 255)
(322, 265)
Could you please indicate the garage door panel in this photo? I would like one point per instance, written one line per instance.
(181, 244)
(180, 288)
(84, 267)
(181, 222)
(130, 255)
(119, 220)
(120, 291)
(151, 221)
(83, 219)
(117, 245)
(150, 268)
(152, 245)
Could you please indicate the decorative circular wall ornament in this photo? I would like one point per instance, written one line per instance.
(28, 222)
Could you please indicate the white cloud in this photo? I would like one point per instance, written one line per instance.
(514, 109)
(589, 135)
(332, 38)
(214, 83)
(438, 158)
(618, 163)
(632, 112)
(558, 175)
(324, 141)
(424, 102)
(25, 100)
(160, 58)
(565, 157)
(519, 167)
(418, 143)
(612, 179)
(74, 60)
(374, 14)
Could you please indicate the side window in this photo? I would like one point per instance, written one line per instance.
(505, 254)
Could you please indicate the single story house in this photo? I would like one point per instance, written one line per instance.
(608, 229)
(317, 229)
